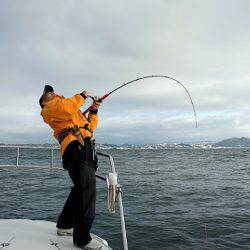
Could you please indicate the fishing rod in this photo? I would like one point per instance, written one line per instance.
(144, 77)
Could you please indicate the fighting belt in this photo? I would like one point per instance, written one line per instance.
(74, 131)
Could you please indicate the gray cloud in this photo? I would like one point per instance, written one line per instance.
(96, 45)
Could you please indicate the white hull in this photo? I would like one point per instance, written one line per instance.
(35, 235)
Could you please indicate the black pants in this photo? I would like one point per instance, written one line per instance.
(79, 209)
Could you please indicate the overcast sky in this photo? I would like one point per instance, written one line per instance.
(96, 45)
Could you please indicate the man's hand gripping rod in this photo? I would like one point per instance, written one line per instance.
(92, 105)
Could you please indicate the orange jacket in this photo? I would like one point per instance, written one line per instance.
(61, 113)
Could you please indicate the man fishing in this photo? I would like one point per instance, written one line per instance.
(74, 132)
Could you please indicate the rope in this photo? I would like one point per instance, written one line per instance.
(52, 243)
(6, 244)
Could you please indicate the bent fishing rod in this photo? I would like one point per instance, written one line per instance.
(144, 77)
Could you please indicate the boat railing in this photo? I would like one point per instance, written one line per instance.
(118, 191)
(17, 149)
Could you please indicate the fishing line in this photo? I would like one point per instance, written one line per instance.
(151, 76)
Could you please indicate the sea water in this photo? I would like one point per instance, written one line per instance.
(173, 198)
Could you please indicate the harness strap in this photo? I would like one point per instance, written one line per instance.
(74, 131)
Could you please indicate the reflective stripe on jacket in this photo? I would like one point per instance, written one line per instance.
(61, 113)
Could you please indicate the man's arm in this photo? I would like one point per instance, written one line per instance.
(93, 115)
(93, 119)
(74, 103)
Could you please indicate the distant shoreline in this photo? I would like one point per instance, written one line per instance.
(233, 143)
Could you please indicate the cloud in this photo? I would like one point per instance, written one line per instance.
(98, 45)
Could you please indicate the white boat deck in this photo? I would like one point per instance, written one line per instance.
(35, 235)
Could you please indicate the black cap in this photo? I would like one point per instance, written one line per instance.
(47, 88)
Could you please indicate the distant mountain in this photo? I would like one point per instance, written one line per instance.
(242, 142)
